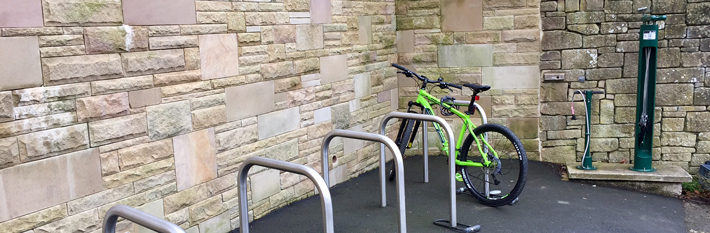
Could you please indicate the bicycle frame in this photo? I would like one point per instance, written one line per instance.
(426, 100)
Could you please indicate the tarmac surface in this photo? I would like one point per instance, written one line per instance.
(547, 204)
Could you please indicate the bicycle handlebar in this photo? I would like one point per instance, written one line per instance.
(442, 84)
(647, 18)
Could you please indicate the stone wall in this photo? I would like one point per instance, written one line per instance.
(599, 40)
(154, 104)
(491, 42)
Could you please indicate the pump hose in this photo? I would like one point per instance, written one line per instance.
(586, 115)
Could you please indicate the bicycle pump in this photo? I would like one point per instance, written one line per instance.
(587, 98)
(646, 96)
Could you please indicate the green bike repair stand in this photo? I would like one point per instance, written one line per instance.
(646, 96)
(587, 159)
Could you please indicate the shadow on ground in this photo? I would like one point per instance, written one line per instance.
(547, 204)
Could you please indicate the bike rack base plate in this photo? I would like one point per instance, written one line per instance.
(459, 226)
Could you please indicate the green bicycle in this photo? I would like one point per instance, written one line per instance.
(491, 161)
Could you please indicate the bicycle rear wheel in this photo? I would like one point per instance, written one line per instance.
(403, 138)
(503, 181)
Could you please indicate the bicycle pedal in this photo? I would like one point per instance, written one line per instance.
(514, 201)
(459, 177)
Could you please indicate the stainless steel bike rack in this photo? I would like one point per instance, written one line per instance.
(399, 166)
(326, 201)
(139, 217)
(452, 152)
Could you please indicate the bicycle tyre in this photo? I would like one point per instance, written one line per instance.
(511, 156)
(402, 141)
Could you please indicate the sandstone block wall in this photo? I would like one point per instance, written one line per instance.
(491, 42)
(599, 40)
(154, 104)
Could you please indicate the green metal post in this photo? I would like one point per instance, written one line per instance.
(646, 96)
(587, 158)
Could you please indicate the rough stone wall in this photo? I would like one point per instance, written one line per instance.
(491, 42)
(599, 40)
(154, 104)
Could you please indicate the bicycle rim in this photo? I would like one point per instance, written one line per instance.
(481, 181)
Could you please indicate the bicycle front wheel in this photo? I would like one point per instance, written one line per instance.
(402, 141)
(502, 182)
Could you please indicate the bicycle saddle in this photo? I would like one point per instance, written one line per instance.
(478, 88)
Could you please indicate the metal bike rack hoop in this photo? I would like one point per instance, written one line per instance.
(139, 217)
(452, 152)
(326, 201)
(399, 165)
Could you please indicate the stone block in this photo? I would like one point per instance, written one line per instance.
(21, 14)
(604, 74)
(209, 117)
(153, 62)
(678, 139)
(673, 124)
(160, 12)
(697, 13)
(83, 222)
(584, 29)
(121, 85)
(279, 122)
(143, 154)
(674, 94)
(52, 142)
(668, 6)
(702, 96)
(217, 224)
(631, 65)
(115, 39)
(609, 131)
(195, 160)
(81, 68)
(19, 63)
(322, 115)
(28, 222)
(606, 111)
(405, 41)
(333, 68)
(668, 57)
(461, 15)
(266, 18)
(363, 88)
(320, 11)
(365, 29)
(498, 22)
(249, 100)
(173, 42)
(6, 106)
(526, 35)
(142, 98)
(555, 40)
(117, 129)
(553, 23)
(237, 137)
(219, 55)
(265, 184)
(596, 41)
(82, 12)
(559, 154)
(698, 122)
(309, 37)
(579, 58)
(601, 145)
(680, 75)
(68, 177)
(284, 34)
(614, 28)
(169, 120)
(9, 152)
(524, 127)
(36, 124)
(611, 60)
(584, 17)
(511, 77)
(102, 107)
(465, 55)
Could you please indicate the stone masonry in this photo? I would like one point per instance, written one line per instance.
(599, 40)
(156, 104)
(487, 42)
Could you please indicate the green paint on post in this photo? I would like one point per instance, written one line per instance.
(587, 158)
(646, 97)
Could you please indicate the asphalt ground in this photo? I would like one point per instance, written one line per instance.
(547, 204)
